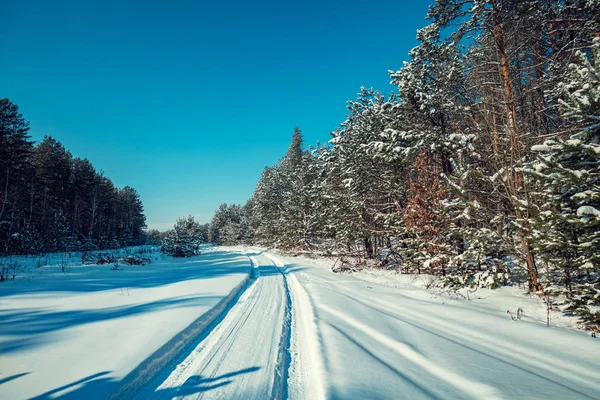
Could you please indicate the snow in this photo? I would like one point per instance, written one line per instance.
(295, 330)
(582, 195)
(79, 334)
(239, 359)
(382, 334)
(541, 147)
(477, 390)
(485, 300)
(306, 368)
(587, 211)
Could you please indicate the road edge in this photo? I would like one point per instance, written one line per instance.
(173, 351)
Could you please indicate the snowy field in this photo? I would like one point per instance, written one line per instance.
(76, 335)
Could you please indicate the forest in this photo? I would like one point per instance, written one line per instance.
(51, 201)
(482, 168)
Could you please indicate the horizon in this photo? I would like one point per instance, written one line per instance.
(190, 114)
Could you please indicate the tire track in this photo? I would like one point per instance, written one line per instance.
(247, 355)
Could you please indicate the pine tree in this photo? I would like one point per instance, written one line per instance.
(184, 239)
(15, 170)
(52, 202)
(443, 172)
(52, 163)
(267, 206)
(567, 229)
(280, 210)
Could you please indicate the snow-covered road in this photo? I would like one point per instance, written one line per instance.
(240, 359)
(349, 339)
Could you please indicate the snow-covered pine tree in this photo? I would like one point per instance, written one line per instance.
(218, 223)
(435, 108)
(360, 182)
(234, 229)
(266, 206)
(566, 231)
(281, 210)
(295, 206)
(184, 239)
(314, 207)
(506, 43)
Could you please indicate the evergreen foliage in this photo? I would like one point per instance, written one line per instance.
(184, 239)
(229, 225)
(567, 171)
(482, 168)
(50, 201)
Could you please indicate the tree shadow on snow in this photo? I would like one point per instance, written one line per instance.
(101, 385)
(405, 378)
(38, 321)
(524, 370)
(198, 384)
(12, 377)
(267, 270)
(95, 386)
(95, 278)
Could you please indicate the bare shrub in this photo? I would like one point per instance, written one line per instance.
(64, 266)
(9, 270)
(105, 258)
(135, 260)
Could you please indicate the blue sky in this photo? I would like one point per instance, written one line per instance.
(187, 101)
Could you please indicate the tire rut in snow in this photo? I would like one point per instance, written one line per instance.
(228, 339)
(156, 367)
(284, 357)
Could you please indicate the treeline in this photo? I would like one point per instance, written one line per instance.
(50, 201)
(485, 162)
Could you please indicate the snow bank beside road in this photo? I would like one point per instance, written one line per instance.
(499, 301)
(381, 339)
